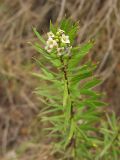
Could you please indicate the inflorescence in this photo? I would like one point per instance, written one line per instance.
(59, 42)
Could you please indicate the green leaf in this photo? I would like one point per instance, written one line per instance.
(40, 76)
(39, 62)
(105, 149)
(71, 133)
(66, 25)
(56, 62)
(112, 121)
(73, 32)
(92, 83)
(43, 66)
(77, 78)
(55, 110)
(78, 53)
(89, 117)
(48, 74)
(82, 133)
(99, 103)
(93, 103)
(53, 28)
(90, 93)
(47, 95)
(56, 118)
(40, 50)
(39, 36)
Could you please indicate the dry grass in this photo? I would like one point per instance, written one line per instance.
(99, 19)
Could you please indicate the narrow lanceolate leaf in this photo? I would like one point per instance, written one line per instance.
(53, 111)
(39, 36)
(48, 74)
(71, 132)
(66, 106)
(43, 76)
(53, 28)
(84, 67)
(83, 50)
(93, 103)
(105, 149)
(46, 69)
(89, 92)
(40, 76)
(72, 33)
(47, 95)
(92, 83)
(66, 25)
(77, 78)
(99, 103)
(81, 132)
(40, 50)
(78, 53)
(90, 117)
(56, 62)
(57, 120)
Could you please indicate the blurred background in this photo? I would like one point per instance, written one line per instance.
(99, 19)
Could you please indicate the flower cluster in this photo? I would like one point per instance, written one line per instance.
(58, 41)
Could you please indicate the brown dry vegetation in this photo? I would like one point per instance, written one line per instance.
(99, 19)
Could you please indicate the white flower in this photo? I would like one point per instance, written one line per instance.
(65, 39)
(59, 54)
(48, 49)
(60, 31)
(58, 42)
(60, 51)
(68, 49)
(51, 43)
(50, 34)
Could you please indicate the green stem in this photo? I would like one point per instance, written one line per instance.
(72, 142)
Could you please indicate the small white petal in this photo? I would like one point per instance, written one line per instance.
(49, 40)
(51, 43)
(51, 46)
(60, 51)
(61, 31)
(49, 50)
(50, 35)
(59, 54)
(55, 43)
(65, 39)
